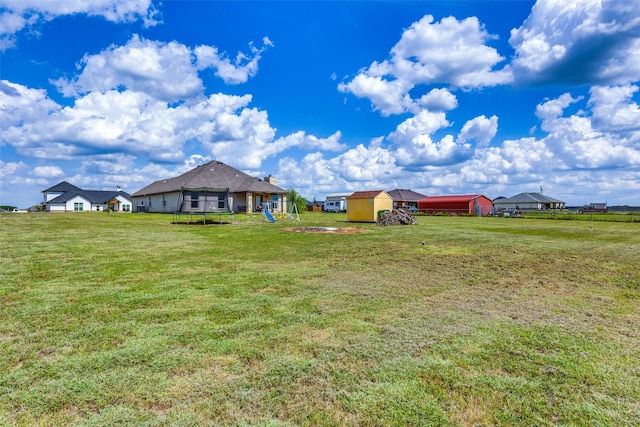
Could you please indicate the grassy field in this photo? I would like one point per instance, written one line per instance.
(629, 216)
(127, 319)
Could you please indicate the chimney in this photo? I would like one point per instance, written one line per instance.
(270, 179)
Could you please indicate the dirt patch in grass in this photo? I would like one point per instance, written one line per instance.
(327, 230)
(201, 222)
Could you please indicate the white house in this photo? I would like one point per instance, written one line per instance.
(528, 201)
(65, 197)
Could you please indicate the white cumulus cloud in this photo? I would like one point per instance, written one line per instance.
(48, 171)
(165, 71)
(387, 96)
(438, 100)
(17, 15)
(614, 109)
(450, 52)
(414, 146)
(481, 129)
(9, 169)
(231, 71)
(311, 142)
(20, 104)
(589, 141)
(578, 42)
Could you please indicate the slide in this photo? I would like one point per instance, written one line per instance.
(269, 216)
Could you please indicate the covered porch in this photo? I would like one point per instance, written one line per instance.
(250, 202)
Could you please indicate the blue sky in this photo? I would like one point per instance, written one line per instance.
(441, 97)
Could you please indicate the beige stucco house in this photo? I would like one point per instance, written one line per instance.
(211, 187)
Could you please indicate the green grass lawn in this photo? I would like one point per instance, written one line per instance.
(126, 319)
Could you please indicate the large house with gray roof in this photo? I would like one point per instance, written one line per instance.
(211, 187)
(65, 197)
(528, 201)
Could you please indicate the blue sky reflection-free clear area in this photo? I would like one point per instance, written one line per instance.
(441, 97)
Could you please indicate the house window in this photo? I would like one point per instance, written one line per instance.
(78, 206)
(126, 208)
(221, 201)
(164, 200)
(274, 202)
(194, 200)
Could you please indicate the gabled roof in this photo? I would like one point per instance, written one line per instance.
(402, 195)
(65, 197)
(62, 187)
(93, 196)
(214, 175)
(454, 198)
(529, 198)
(366, 194)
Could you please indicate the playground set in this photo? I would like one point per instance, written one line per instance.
(292, 212)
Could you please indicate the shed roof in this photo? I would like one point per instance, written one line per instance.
(453, 198)
(212, 175)
(403, 195)
(366, 194)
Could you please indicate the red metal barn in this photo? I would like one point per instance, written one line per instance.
(468, 204)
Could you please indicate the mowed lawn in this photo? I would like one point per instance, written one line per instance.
(127, 319)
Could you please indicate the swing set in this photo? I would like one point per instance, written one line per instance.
(292, 212)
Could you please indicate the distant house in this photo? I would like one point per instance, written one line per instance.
(212, 187)
(528, 201)
(594, 208)
(65, 197)
(315, 206)
(467, 204)
(405, 198)
(365, 205)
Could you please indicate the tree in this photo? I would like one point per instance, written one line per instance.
(298, 200)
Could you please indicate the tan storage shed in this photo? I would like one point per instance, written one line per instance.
(365, 205)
